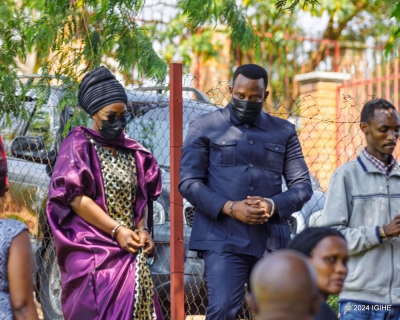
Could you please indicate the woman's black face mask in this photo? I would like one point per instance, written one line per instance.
(112, 129)
(245, 110)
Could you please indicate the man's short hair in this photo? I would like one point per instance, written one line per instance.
(251, 71)
(369, 108)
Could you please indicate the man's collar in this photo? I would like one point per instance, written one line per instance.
(260, 122)
(370, 157)
(369, 167)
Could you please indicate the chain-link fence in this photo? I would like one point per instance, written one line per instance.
(32, 138)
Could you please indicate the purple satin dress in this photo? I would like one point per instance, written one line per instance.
(98, 277)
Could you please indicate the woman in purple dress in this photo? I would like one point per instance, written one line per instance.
(100, 211)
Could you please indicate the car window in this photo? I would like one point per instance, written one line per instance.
(45, 122)
(11, 128)
(152, 129)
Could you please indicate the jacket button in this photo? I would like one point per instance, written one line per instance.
(250, 165)
(246, 126)
(276, 148)
(223, 142)
(251, 141)
(251, 188)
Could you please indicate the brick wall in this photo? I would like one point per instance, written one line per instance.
(318, 130)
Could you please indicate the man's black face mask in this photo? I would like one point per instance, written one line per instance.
(245, 110)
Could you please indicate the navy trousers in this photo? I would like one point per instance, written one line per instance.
(226, 274)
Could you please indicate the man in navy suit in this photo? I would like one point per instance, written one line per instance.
(232, 164)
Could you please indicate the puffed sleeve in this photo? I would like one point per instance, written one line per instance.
(153, 179)
(72, 175)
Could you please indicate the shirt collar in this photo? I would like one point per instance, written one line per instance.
(380, 165)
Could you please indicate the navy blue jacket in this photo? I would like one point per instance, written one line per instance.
(224, 159)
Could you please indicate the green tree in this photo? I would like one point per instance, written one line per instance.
(264, 32)
(372, 17)
(71, 38)
(12, 44)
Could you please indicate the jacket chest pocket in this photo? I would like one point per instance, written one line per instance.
(223, 152)
(274, 156)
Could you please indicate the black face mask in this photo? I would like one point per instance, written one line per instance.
(111, 130)
(245, 110)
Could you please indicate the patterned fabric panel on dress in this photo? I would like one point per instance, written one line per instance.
(120, 183)
(9, 229)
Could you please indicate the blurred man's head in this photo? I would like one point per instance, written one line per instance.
(380, 122)
(284, 287)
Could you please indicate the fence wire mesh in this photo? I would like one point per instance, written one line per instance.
(33, 136)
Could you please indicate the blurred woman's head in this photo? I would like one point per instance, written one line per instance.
(327, 249)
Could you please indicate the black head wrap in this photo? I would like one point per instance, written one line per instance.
(308, 239)
(98, 89)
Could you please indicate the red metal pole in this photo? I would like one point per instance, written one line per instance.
(396, 84)
(387, 82)
(379, 82)
(338, 127)
(336, 57)
(370, 92)
(238, 58)
(176, 201)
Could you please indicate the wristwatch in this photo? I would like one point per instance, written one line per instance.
(272, 205)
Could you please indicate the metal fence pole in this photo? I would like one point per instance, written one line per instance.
(176, 201)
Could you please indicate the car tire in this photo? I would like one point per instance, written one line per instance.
(50, 285)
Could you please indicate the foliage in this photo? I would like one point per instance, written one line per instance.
(348, 19)
(268, 34)
(333, 302)
(71, 38)
(88, 31)
(354, 20)
(283, 4)
(192, 43)
(211, 12)
(11, 45)
(361, 18)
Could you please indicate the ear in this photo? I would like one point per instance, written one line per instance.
(266, 94)
(251, 302)
(364, 127)
(230, 89)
